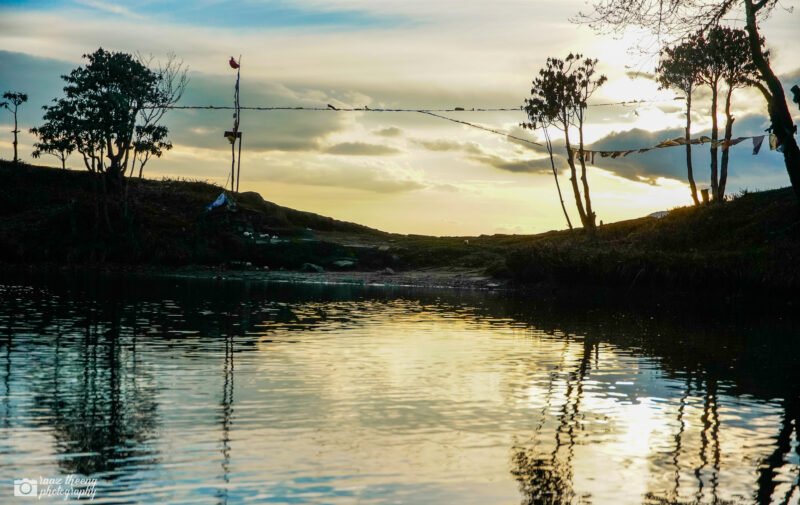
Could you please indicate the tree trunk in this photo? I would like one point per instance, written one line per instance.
(590, 216)
(781, 118)
(689, 170)
(729, 119)
(768, 467)
(16, 130)
(574, 178)
(714, 138)
(549, 145)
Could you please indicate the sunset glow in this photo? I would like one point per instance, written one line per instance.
(400, 172)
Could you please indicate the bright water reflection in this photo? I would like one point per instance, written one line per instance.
(191, 392)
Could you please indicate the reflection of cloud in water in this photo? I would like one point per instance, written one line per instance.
(308, 393)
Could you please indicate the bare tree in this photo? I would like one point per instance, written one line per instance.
(543, 122)
(680, 18)
(738, 71)
(711, 68)
(559, 97)
(150, 137)
(678, 68)
(549, 144)
(15, 99)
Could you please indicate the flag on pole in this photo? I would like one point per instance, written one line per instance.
(232, 62)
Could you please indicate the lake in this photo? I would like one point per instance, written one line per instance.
(225, 392)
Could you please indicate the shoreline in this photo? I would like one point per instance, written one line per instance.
(435, 278)
(747, 247)
(428, 278)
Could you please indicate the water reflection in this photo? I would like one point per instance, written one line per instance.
(195, 392)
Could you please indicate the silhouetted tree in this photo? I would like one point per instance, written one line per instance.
(543, 123)
(678, 68)
(680, 18)
(738, 71)
(103, 100)
(55, 135)
(15, 99)
(711, 69)
(151, 137)
(559, 96)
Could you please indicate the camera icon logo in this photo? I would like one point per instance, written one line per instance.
(25, 488)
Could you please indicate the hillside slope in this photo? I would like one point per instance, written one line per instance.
(53, 216)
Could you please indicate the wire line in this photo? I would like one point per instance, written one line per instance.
(383, 109)
(480, 127)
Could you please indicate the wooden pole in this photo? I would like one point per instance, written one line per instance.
(238, 121)
(239, 162)
(233, 161)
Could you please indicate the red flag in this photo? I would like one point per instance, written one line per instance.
(233, 63)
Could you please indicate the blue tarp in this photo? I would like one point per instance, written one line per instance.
(221, 200)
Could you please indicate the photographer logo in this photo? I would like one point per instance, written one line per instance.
(26, 488)
(64, 488)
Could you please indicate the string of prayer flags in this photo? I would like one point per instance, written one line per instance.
(589, 155)
(672, 143)
(726, 144)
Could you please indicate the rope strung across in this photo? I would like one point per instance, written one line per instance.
(480, 127)
(367, 109)
(337, 109)
(433, 113)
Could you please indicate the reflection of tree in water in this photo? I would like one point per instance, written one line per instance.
(101, 397)
(546, 479)
(75, 360)
(705, 362)
(102, 404)
(542, 480)
(769, 467)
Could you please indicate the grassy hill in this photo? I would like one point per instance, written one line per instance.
(53, 216)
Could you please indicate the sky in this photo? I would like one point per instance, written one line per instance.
(399, 172)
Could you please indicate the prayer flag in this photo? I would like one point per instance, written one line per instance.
(757, 141)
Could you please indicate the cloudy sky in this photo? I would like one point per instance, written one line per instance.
(400, 172)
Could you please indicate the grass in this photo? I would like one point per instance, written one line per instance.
(753, 241)
(49, 216)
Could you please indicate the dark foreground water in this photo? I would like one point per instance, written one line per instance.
(195, 392)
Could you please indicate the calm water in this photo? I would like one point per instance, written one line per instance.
(201, 392)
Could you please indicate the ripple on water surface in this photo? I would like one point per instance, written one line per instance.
(286, 396)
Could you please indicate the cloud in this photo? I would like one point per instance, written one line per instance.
(366, 177)
(38, 77)
(476, 153)
(520, 132)
(262, 130)
(636, 74)
(746, 170)
(110, 8)
(360, 149)
(441, 145)
(529, 166)
(791, 78)
(391, 131)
